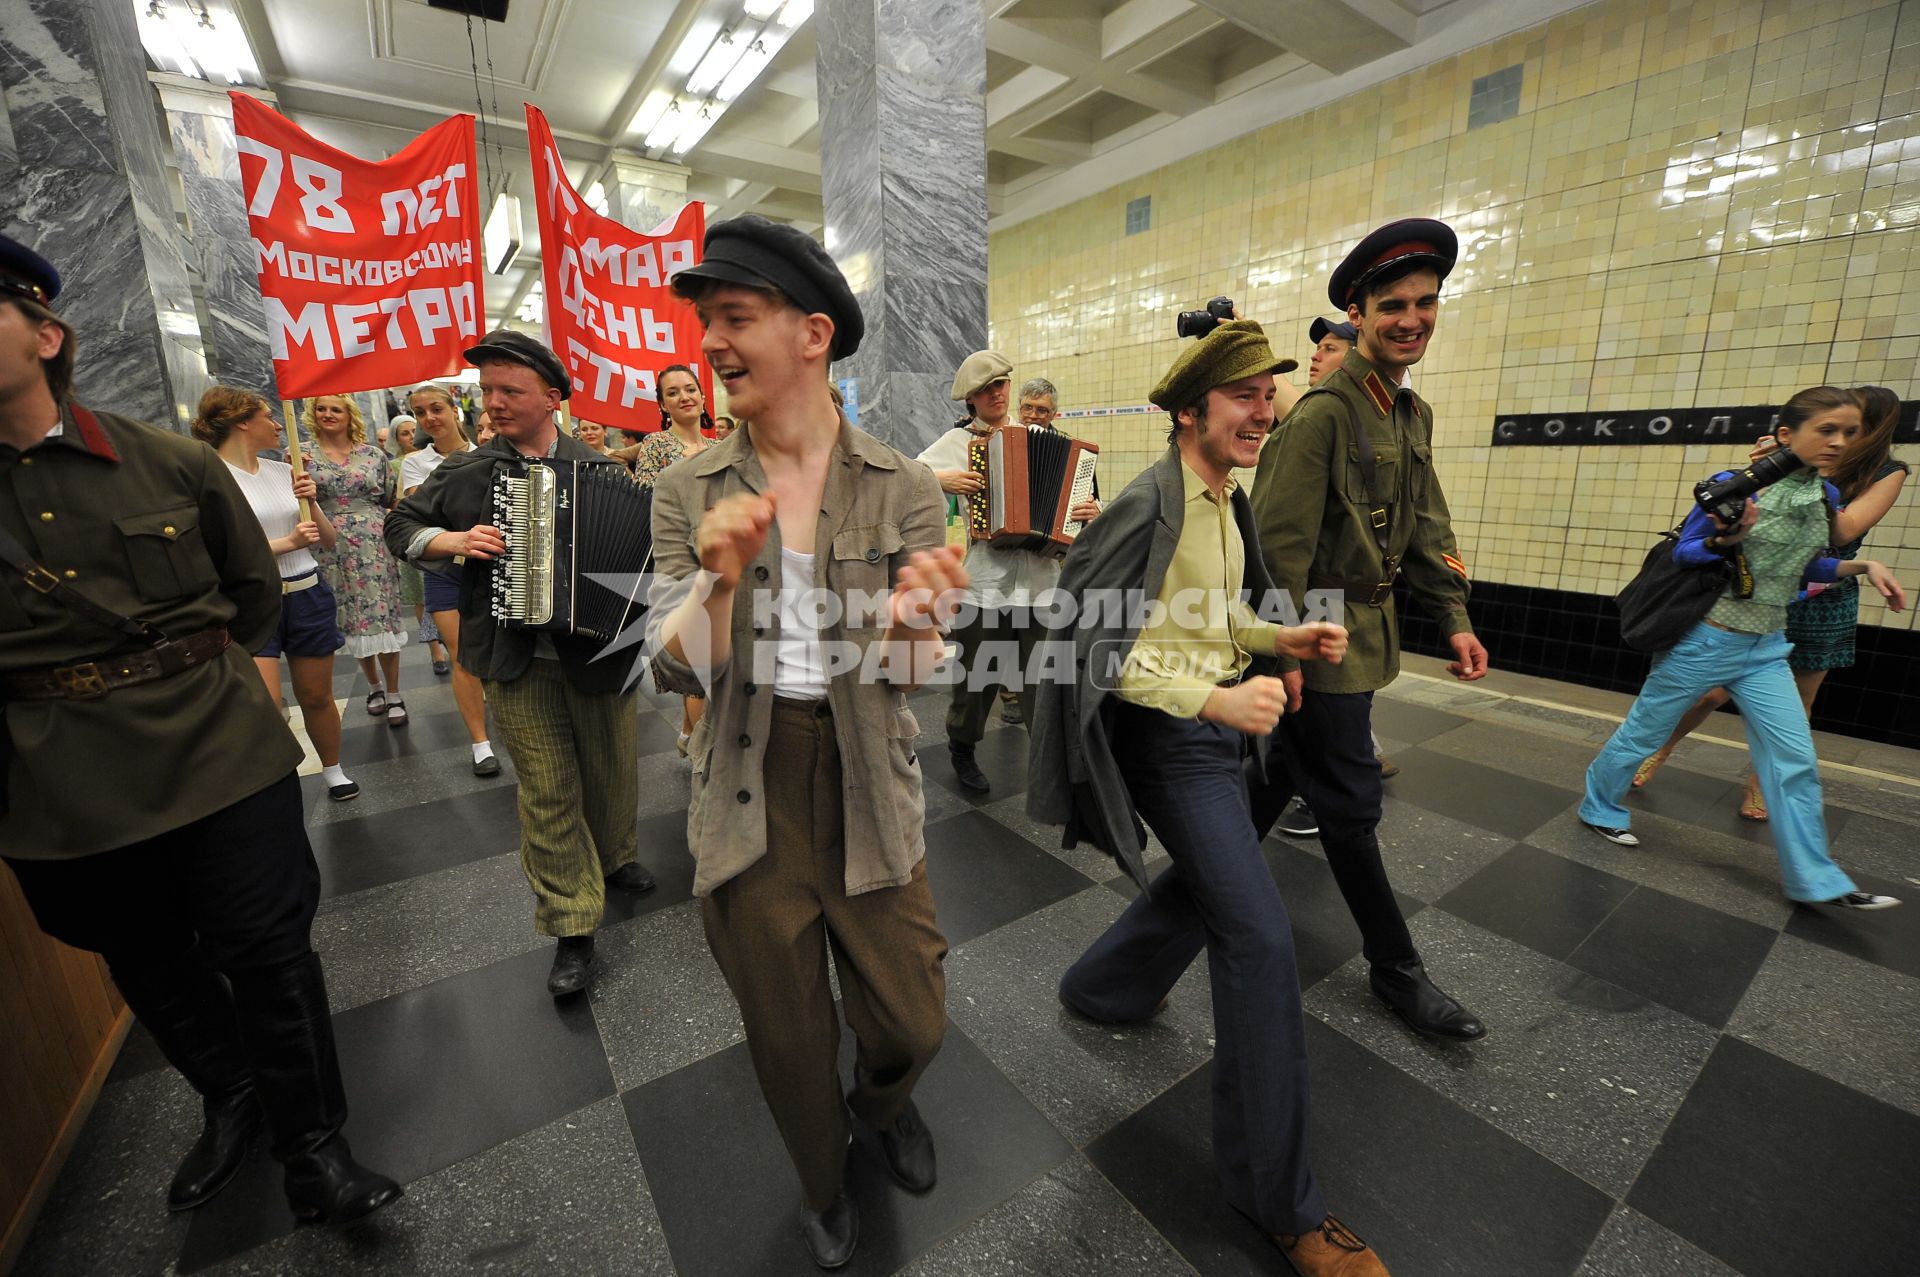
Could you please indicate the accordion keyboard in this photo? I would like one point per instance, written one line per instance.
(523, 509)
(1081, 490)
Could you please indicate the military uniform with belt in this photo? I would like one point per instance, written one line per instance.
(1347, 501)
(151, 809)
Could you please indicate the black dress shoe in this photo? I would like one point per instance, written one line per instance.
(908, 1145)
(572, 966)
(488, 766)
(326, 1186)
(966, 770)
(1405, 988)
(631, 876)
(833, 1233)
(217, 1154)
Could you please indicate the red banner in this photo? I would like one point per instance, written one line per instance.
(370, 269)
(611, 317)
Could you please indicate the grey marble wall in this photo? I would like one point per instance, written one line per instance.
(85, 182)
(903, 174)
(200, 121)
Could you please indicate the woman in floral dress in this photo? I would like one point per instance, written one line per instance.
(356, 489)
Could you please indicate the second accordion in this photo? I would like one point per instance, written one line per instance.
(579, 542)
(1034, 478)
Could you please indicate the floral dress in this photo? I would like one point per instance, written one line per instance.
(364, 577)
(658, 451)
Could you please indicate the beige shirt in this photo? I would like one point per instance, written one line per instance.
(878, 509)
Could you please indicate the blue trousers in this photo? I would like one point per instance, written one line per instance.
(1186, 783)
(1754, 668)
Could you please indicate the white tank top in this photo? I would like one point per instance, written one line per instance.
(800, 665)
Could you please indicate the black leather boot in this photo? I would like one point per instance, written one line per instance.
(965, 769)
(185, 1005)
(572, 968)
(288, 1031)
(908, 1146)
(833, 1233)
(1405, 987)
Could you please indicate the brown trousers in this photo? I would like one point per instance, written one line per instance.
(770, 929)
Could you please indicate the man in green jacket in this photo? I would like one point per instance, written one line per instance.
(1346, 501)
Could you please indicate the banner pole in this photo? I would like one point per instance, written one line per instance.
(294, 454)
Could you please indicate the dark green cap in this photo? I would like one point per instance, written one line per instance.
(1235, 350)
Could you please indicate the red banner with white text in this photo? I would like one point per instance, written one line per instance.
(370, 269)
(611, 317)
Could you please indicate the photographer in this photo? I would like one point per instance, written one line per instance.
(1742, 646)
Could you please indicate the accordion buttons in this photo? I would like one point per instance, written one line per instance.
(744, 796)
(873, 554)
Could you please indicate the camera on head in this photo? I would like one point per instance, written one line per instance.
(1726, 499)
(1198, 323)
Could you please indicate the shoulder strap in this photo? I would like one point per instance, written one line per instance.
(1376, 513)
(15, 556)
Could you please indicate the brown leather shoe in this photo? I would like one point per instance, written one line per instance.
(1331, 1250)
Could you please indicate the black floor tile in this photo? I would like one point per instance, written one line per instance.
(663, 850)
(1712, 803)
(1482, 796)
(1404, 720)
(1546, 902)
(1888, 938)
(1002, 756)
(372, 741)
(1783, 1173)
(389, 846)
(726, 1191)
(984, 875)
(1433, 1189)
(1696, 960)
(433, 1075)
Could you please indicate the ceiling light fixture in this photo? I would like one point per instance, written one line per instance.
(746, 70)
(761, 10)
(502, 235)
(794, 12)
(668, 127)
(714, 67)
(656, 104)
(697, 125)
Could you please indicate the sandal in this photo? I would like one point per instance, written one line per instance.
(1753, 803)
(377, 702)
(1647, 769)
(396, 712)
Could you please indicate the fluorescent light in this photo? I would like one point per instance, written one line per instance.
(697, 125)
(744, 72)
(669, 127)
(597, 198)
(761, 10)
(501, 236)
(162, 41)
(655, 106)
(794, 13)
(714, 67)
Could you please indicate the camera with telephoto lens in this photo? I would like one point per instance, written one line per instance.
(1726, 499)
(1198, 323)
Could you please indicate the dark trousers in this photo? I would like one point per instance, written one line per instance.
(1002, 639)
(1186, 783)
(1324, 753)
(770, 929)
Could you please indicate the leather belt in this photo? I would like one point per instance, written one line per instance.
(296, 584)
(1372, 593)
(90, 680)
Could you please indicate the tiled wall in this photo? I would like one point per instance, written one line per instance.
(1699, 201)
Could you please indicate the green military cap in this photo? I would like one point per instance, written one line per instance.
(1236, 349)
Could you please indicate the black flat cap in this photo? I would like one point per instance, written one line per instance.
(1321, 329)
(756, 253)
(24, 273)
(510, 344)
(1429, 242)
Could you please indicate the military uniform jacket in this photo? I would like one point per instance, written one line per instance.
(457, 496)
(1315, 511)
(149, 524)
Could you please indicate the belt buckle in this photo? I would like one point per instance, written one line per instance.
(82, 682)
(1380, 592)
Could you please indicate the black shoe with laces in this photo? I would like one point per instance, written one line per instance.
(1865, 901)
(572, 966)
(1298, 821)
(908, 1146)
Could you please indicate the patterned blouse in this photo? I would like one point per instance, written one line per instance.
(658, 451)
(1792, 530)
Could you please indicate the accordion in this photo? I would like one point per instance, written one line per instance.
(579, 542)
(1034, 477)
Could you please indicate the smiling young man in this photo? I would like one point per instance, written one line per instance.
(806, 822)
(567, 719)
(1347, 501)
(1166, 703)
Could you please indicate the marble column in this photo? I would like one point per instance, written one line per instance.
(86, 184)
(641, 194)
(200, 120)
(903, 175)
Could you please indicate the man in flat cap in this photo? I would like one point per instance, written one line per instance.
(997, 630)
(807, 817)
(567, 720)
(1348, 501)
(149, 804)
(1155, 726)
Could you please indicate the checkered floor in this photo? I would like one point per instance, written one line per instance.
(1685, 1074)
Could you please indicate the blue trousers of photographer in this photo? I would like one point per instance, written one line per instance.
(1754, 668)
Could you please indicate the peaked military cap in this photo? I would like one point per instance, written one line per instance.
(1424, 240)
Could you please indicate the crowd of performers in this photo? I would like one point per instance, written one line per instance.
(143, 613)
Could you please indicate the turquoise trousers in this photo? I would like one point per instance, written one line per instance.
(1754, 668)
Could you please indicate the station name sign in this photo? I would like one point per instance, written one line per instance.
(1659, 425)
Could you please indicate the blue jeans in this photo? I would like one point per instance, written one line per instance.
(1754, 668)
(1186, 783)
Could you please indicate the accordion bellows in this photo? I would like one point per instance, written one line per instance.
(1034, 479)
(579, 541)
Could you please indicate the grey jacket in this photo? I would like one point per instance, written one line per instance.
(1073, 777)
(878, 508)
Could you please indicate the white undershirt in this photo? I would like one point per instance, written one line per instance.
(800, 664)
(270, 493)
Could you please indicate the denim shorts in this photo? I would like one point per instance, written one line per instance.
(442, 592)
(309, 624)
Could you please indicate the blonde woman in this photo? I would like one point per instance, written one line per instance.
(355, 490)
